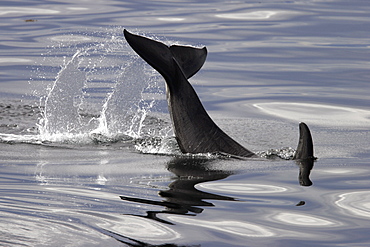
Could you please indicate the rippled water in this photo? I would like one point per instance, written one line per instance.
(88, 157)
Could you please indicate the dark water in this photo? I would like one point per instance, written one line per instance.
(87, 153)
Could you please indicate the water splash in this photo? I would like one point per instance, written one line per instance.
(102, 93)
(61, 113)
(126, 108)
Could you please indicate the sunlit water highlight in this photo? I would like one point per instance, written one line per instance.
(325, 115)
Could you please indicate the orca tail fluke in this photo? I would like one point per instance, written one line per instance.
(190, 59)
(154, 53)
(167, 60)
(305, 144)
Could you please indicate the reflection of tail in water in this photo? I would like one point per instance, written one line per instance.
(304, 155)
(182, 197)
(189, 172)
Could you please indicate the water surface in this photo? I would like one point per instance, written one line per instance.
(87, 153)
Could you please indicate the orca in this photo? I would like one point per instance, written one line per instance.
(195, 131)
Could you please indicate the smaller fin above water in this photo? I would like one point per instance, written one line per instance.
(304, 155)
(305, 144)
